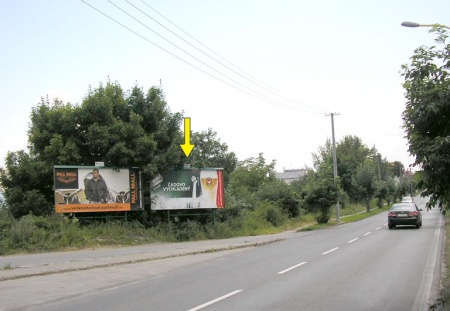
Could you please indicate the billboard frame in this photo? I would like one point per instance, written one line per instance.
(188, 188)
(114, 189)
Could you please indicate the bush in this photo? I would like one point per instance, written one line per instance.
(323, 217)
(190, 230)
(282, 195)
(323, 214)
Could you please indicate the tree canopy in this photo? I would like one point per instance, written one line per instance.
(209, 151)
(133, 129)
(426, 117)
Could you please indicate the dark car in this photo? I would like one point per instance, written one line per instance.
(405, 214)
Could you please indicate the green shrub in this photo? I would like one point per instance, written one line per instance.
(190, 230)
(272, 214)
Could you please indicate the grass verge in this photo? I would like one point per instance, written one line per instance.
(443, 301)
(345, 219)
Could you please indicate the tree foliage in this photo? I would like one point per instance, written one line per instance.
(426, 117)
(251, 174)
(209, 151)
(320, 194)
(350, 153)
(133, 129)
(365, 182)
(282, 195)
(26, 185)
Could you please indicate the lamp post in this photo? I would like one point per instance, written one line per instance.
(412, 24)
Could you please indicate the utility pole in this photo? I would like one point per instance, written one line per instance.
(338, 216)
(377, 158)
(379, 164)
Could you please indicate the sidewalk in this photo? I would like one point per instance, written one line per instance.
(22, 266)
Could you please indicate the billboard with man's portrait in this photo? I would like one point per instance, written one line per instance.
(188, 189)
(81, 189)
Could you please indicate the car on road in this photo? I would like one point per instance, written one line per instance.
(407, 199)
(405, 214)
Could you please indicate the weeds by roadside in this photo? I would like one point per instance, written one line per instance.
(443, 301)
(33, 234)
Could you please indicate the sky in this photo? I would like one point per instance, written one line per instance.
(264, 75)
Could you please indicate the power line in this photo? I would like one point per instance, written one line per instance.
(176, 56)
(253, 79)
(246, 76)
(246, 88)
(196, 58)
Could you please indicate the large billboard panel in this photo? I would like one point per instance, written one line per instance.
(81, 189)
(188, 189)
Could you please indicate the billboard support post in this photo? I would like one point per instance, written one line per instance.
(211, 213)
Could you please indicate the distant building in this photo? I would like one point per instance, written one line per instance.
(291, 175)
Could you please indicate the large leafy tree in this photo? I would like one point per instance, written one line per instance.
(133, 129)
(209, 151)
(250, 175)
(366, 182)
(26, 184)
(254, 182)
(351, 153)
(426, 117)
(282, 195)
(395, 168)
(320, 194)
(322, 188)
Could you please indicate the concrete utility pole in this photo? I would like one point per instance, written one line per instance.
(338, 216)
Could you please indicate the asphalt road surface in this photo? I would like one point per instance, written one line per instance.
(357, 266)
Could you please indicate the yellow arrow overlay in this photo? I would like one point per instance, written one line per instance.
(187, 147)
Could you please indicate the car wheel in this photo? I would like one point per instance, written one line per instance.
(418, 226)
(390, 226)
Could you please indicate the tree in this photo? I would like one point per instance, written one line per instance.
(209, 151)
(249, 176)
(282, 195)
(26, 185)
(123, 130)
(396, 168)
(322, 189)
(351, 152)
(365, 182)
(426, 118)
(321, 193)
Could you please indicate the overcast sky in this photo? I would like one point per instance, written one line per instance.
(262, 74)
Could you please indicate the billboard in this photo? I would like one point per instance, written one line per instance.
(81, 189)
(188, 189)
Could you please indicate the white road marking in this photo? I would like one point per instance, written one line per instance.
(425, 289)
(378, 228)
(293, 267)
(215, 300)
(368, 233)
(331, 250)
(351, 241)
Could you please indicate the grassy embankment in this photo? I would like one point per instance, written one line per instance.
(443, 302)
(33, 234)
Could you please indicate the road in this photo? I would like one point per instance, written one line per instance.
(357, 266)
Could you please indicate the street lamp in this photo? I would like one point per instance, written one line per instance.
(412, 24)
